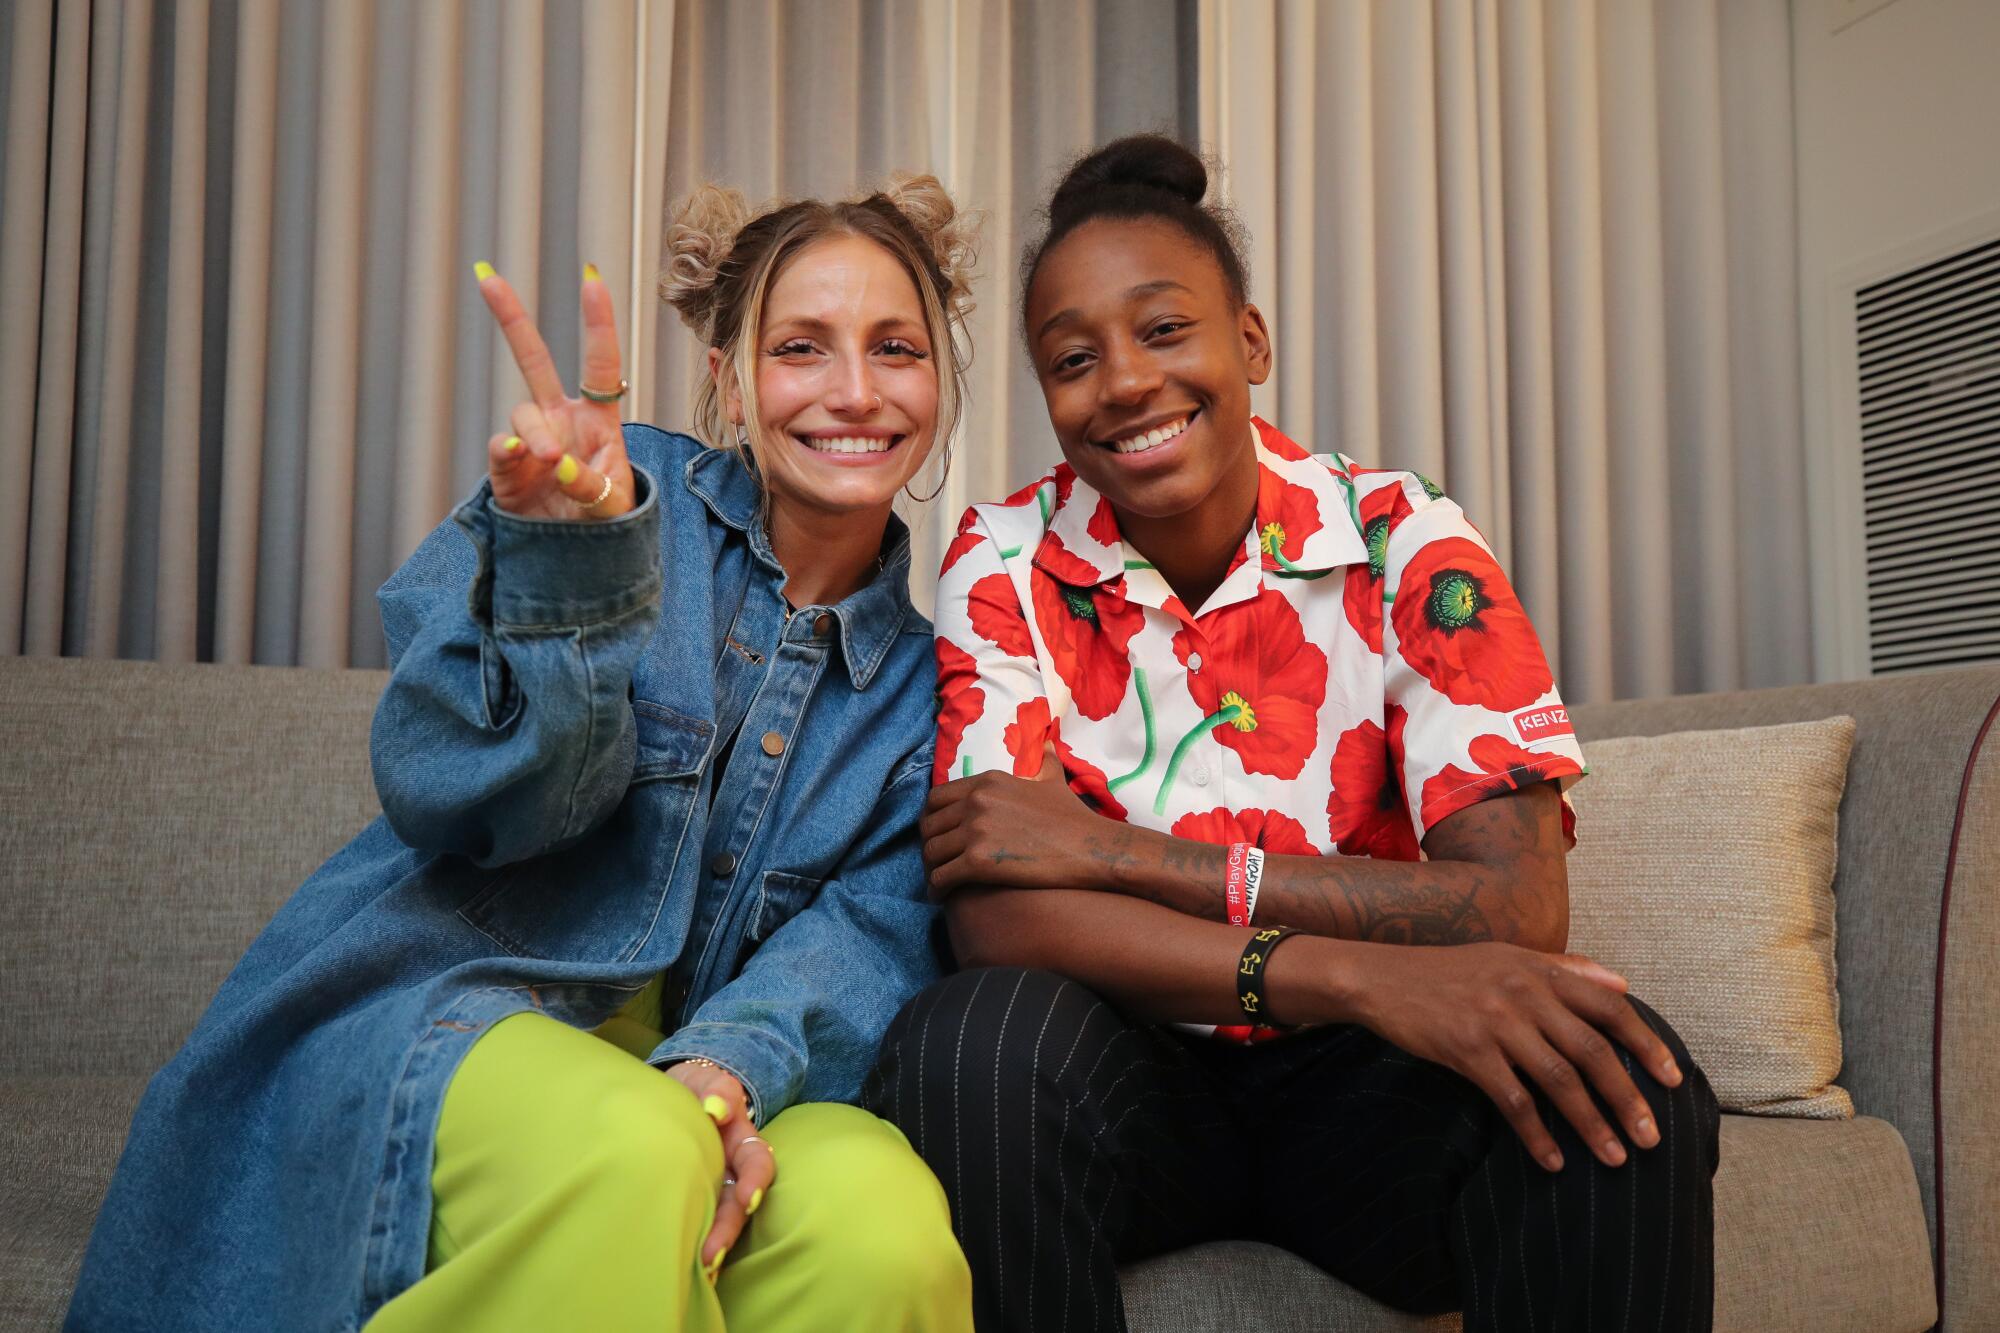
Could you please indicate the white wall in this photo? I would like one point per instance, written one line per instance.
(1898, 124)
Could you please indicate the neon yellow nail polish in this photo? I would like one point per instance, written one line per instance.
(511, 443)
(566, 473)
(590, 273)
(756, 1197)
(718, 1110)
(482, 270)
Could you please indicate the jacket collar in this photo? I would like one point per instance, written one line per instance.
(868, 619)
(1082, 546)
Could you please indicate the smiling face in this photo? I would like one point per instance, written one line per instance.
(847, 384)
(1146, 362)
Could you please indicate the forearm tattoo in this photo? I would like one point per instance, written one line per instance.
(1450, 899)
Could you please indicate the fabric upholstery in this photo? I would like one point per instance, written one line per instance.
(1817, 1229)
(1969, 1077)
(1913, 734)
(1228, 1286)
(61, 1140)
(156, 818)
(1703, 872)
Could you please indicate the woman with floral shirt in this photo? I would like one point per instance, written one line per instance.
(1249, 823)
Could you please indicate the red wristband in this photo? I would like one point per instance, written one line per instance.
(1236, 882)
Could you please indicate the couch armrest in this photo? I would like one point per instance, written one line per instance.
(1917, 903)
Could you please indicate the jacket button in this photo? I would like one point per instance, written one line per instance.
(722, 864)
(822, 626)
(774, 744)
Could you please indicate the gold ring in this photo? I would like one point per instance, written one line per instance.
(602, 496)
(604, 395)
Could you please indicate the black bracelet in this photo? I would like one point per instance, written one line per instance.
(1250, 972)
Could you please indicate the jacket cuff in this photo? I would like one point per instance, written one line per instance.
(548, 573)
(768, 1069)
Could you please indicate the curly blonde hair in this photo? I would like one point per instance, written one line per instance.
(723, 257)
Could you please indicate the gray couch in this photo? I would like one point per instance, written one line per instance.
(155, 816)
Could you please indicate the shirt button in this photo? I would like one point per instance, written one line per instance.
(822, 626)
(774, 744)
(1199, 777)
(723, 864)
(1194, 661)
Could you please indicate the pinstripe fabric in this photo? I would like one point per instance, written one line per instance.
(1071, 1141)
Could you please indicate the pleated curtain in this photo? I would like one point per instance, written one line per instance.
(1543, 251)
(242, 352)
(1539, 249)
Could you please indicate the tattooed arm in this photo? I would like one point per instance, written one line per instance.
(1496, 869)
(1496, 873)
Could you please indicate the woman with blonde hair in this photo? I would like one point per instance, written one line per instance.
(568, 1037)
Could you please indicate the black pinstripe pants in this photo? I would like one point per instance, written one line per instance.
(1071, 1140)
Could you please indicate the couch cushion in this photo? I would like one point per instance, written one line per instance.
(156, 818)
(1209, 1288)
(1818, 1228)
(1703, 872)
(62, 1139)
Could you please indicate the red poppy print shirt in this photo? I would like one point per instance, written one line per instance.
(1363, 671)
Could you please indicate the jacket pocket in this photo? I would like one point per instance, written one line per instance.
(600, 899)
(671, 744)
(780, 897)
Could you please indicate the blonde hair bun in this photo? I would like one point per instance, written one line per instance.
(698, 244)
(951, 235)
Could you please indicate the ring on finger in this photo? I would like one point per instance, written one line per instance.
(602, 496)
(604, 395)
(752, 1138)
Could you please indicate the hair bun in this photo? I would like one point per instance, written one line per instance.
(949, 235)
(1146, 161)
(698, 244)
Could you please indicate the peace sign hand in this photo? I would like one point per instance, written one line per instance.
(563, 451)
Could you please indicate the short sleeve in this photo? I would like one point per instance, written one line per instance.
(1472, 707)
(992, 710)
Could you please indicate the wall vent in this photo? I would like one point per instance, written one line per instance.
(1927, 356)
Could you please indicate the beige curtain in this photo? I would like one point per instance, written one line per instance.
(243, 360)
(994, 97)
(1543, 251)
(1540, 249)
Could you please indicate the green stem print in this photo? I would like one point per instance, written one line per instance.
(965, 769)
(1235, 711)
(1146, 712)
(1353, 505)
(1010, 553)
(1273, 540)
(1042, 501)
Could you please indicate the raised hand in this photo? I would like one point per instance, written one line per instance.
(561, 451)
(748, 1167)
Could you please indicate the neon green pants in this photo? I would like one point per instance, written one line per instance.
(574, 1183)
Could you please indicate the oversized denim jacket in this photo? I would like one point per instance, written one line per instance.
(552, 836)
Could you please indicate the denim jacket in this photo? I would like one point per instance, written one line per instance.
(553, 835)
